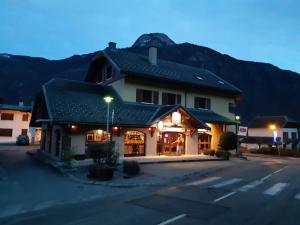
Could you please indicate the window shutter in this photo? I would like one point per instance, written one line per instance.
(155, 97)
(178, 99)
(208, 103)
(164, 98)
(139, 95)
(196, 105)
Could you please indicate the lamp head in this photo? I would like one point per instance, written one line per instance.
(108, 99)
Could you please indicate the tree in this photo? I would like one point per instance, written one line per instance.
(228, 141)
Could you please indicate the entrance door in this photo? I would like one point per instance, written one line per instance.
(57, 145)
(171, 143)
(204, 142)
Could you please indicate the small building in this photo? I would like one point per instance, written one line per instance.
(274, 129)
(155, 102)
(14, 120)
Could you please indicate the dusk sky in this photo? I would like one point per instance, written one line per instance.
(266, 31)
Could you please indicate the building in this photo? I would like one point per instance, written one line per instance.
(15, 121)
(273, 129)
(155, 103)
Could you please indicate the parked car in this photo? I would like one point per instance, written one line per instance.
(22, 140)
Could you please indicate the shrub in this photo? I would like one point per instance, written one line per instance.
(228, 141)
(131, 168)
(223, 154)
(101, 172)
(103, 153)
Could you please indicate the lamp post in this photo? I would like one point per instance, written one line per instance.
(108, 100)
(273, 128)
(237, 120)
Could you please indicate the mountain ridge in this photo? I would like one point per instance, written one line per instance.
(267, 89)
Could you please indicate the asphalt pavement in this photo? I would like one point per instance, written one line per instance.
(261, 190)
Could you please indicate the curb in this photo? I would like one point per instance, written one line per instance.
(67, 172)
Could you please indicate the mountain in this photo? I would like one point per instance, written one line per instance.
(267, 90)
(153, 39)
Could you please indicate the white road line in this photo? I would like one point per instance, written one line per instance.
(172, 219)
(275, 189)
(226, 182)
(253, 184)
(225, 196)
(297, 196)
(266, 177)
(199, 182)
(277, 171)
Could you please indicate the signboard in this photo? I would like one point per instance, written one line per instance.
(242, 131)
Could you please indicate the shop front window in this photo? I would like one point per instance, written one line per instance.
(134, 143)
(171, 143)
(204, 142)
(96, 136)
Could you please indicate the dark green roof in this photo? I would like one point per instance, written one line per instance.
(81, 102)
(136, 64)
(21, 108)
(209, 116)
(78, 102)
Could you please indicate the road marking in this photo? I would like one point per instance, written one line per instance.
(297, 196)
(277, 171)
(275, 189)
(199, 182)
(227, 182)
(225, 196)
(253, 184)
(172, 219)
(266, 177)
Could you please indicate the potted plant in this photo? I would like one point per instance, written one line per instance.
(105, 159)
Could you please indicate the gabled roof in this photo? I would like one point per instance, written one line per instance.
(209, 116)
(138, 65)
(21, 108)
(278, 121)
(78, 102)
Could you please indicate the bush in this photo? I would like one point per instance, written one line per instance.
(223, 154)
(228, 141)
(103, 153)
(101, 172)
(131, 168)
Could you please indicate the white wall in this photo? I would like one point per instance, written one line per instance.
(16, 125)
(191, 146)
(78, 144)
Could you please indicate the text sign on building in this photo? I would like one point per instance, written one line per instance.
(242, 131)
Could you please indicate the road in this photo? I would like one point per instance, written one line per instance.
(258, 191)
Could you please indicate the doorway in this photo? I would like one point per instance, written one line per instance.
(168, 143)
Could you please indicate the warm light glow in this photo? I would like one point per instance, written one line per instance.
(108, 99)
(272, 127)
(99, 131)
(208, 124)
(115, 128)
(73, 127)
(237, 117)
(160, 125)
(176, 118)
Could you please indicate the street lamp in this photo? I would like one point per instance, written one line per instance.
(237, 120)
(273, 128)
(108, 100)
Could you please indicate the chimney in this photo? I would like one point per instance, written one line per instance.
(153, 55)
(112, 45)
(21, 103)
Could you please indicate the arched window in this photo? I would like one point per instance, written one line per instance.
(134, 143)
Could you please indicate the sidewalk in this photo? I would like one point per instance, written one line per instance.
(155, 170)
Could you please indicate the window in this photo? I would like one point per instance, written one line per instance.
(170, 99)
(108, 72)
(147, 96)
(99, 77)
(7, 116)
(25, 117)
(4, 132)
(285, 136)
(294, 135)
(134, 142)
(203, 103)
(24, 131)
